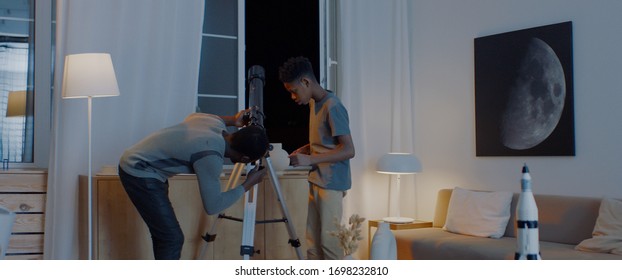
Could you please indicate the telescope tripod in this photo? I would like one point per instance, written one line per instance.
(249, 221)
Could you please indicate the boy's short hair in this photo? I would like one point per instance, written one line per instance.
(294, 68)
(251, 141)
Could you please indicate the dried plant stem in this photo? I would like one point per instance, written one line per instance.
(349, 235)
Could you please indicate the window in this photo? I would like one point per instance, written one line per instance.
(24, 91)
(221, 78)
(240, 34)
(16, 103)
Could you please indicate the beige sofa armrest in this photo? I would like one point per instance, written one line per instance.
(442, 203)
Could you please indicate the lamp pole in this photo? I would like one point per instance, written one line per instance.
(397, 189)
(90, 184)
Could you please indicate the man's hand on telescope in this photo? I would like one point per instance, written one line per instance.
(239, 117)
(237, 120)
(254, 177)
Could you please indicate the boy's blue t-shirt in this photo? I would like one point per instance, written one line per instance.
(328, 118)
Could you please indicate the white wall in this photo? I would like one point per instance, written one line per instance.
(444, 87)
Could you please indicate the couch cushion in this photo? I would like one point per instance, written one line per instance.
(607, 234)
(437, 244)
(562, 219)
(477, 213)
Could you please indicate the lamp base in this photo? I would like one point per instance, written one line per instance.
(398, 220)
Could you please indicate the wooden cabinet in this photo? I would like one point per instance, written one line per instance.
(120, 233)
(23, 191)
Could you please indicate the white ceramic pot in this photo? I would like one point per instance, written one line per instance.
(279, 158)
(383, 246)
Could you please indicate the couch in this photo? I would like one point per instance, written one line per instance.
(564, 222)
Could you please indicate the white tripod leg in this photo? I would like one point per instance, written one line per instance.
(210, 236)
(293, 238)
(247, 249)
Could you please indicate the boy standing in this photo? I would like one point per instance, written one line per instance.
(328, 153)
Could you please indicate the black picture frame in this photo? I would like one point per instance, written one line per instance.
(524, 95)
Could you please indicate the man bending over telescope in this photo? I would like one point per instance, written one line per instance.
(197, 145)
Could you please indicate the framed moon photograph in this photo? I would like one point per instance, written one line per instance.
(524, 92)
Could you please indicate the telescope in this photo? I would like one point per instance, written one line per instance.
(256, 81)
(255, 117)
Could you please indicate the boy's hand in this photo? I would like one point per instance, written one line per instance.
(302, 150)
(299, 159)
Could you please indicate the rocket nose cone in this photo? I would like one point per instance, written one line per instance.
(525, 168)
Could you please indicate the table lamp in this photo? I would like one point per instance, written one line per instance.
(89, 75)
(398, 164)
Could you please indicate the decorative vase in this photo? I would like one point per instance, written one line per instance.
(383, 246)
(279, 157)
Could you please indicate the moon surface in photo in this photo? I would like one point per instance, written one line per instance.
(536, 100)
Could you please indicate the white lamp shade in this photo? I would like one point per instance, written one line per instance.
(16, 104)
(398, 163)
(89, 75)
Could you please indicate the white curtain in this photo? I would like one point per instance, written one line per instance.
(155, 49)
(375, 68)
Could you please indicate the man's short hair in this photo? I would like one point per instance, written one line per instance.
(251, 141)
(295, 68)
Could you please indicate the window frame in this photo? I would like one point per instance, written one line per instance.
(45, 26)
(328, 49)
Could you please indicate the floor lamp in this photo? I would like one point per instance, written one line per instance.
(89, 75)
(16, 107)
(398, 164)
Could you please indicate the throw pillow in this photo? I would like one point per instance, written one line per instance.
(607, 234)
(478, 213)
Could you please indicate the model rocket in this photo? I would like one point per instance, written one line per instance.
(527, 246)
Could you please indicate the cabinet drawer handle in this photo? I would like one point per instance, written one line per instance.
(24, 207)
